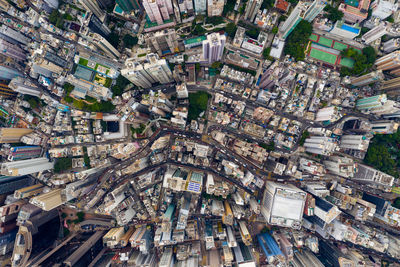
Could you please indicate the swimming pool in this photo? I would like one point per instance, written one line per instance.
(350, 29)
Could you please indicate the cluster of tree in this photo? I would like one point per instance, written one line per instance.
(228, 7)
(138, 130)
(297, 40)
(56, 19)
(332, 13)
(113, 38)
(120, 83)
(214, 20)
(62, 164)
(33, 101)
(269, 147)
(197, 104)
(230, 29)
(266, 52)
(251, 31)
(198, 30)
(130, 41)
(362, 61)
(267, 4)
(383, 153)
(303, 137)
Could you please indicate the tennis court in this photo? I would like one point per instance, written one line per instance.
(325, 41)
(313, 37)
(323, 56)
(340, 46)
(347, 62)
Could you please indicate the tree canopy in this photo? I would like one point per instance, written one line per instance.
(383, 153)
(297, 40)
(197, 103)
(130, 40)
(362, 61)
(230, 29)
(333, 14)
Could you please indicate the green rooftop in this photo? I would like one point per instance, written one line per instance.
(194, 40)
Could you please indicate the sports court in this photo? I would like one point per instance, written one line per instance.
(340, 46)
(346, 62)
(324, 54)
(328, 51)
(325, 41)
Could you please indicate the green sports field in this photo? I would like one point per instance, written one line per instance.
(313, 37)
(340, 46)
(325, 41)
(323, 56)
(347, 62)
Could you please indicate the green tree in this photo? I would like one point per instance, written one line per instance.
(120, 84)
(274, 30)
(216, 65)
(242, 9)
(62, 164)
(130, 40)
(228, 7)
(333, 14)
(390, 19)
(370, 53)
(297, 40)
(197, 104)
(266, 52)
(230, 29)
(253, 32)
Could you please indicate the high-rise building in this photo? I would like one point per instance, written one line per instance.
(34, 236)
(356, 142)
(355, 11)
(384, 127)
(128, 5)
(213, 47)
(11, 50)
(294, 18)
(9, 72)
(13, 36)
(50, 200)
(24, 152)
(186, 6)
(383, 9)
(320, 145)
(181, 91)
(28, 191)
(367, 103)
(252, 7)
(52, 3)
(369, 175)
(4, 5)
(97, 26)
(19, 84)
(105, 46)
(162, 42)
(24, 167)
(9, 184)
(283, 205)
(7, 92)
(391, 87)
(333, 255)
(369, 78)
(391, 45)
(92, 6)
(158, 11)
(13, 135)
(389, 61)
(144, 74)
(200, 6)
(215, 7)
(375, 33)
(341, 166)
(314, 9)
